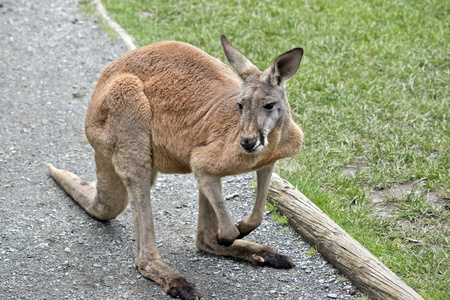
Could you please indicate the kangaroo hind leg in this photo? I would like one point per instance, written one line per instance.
(132, 160)
(136, 173)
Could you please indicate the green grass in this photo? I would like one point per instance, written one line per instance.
(92, 12)
(312, 251)
(372, 93)
(276, 214)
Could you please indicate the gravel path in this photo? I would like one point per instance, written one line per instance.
(51, 55)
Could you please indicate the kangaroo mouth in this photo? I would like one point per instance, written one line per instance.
(255, 145)
(254, 148)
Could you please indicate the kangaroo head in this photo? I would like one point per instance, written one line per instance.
(262, 102)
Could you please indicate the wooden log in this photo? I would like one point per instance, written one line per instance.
(338, 247)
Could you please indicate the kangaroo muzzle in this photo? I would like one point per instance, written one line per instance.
(251, 145)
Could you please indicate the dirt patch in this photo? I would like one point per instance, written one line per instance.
(349, 170)
(359, 167)
(288, 165)
(144, 15)
(385, 201)
(413, 210)
(403, 190)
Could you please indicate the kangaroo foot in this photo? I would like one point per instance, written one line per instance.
(255, 253)
(271, 258)
(173, 284)
(180, 287)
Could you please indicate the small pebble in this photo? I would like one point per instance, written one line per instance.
(231, 196)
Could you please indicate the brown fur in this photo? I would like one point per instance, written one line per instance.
(170, 107)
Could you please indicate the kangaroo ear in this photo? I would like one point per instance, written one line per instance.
(285, 66)
(237, 60)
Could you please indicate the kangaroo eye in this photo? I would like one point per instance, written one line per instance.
(269, 105)
(240, 106)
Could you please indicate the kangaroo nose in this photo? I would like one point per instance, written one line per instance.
(248, 144)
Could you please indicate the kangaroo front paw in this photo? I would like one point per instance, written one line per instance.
(227, 237)
(223, 241)
(184, 289)
(272, 258)
(244, 229)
